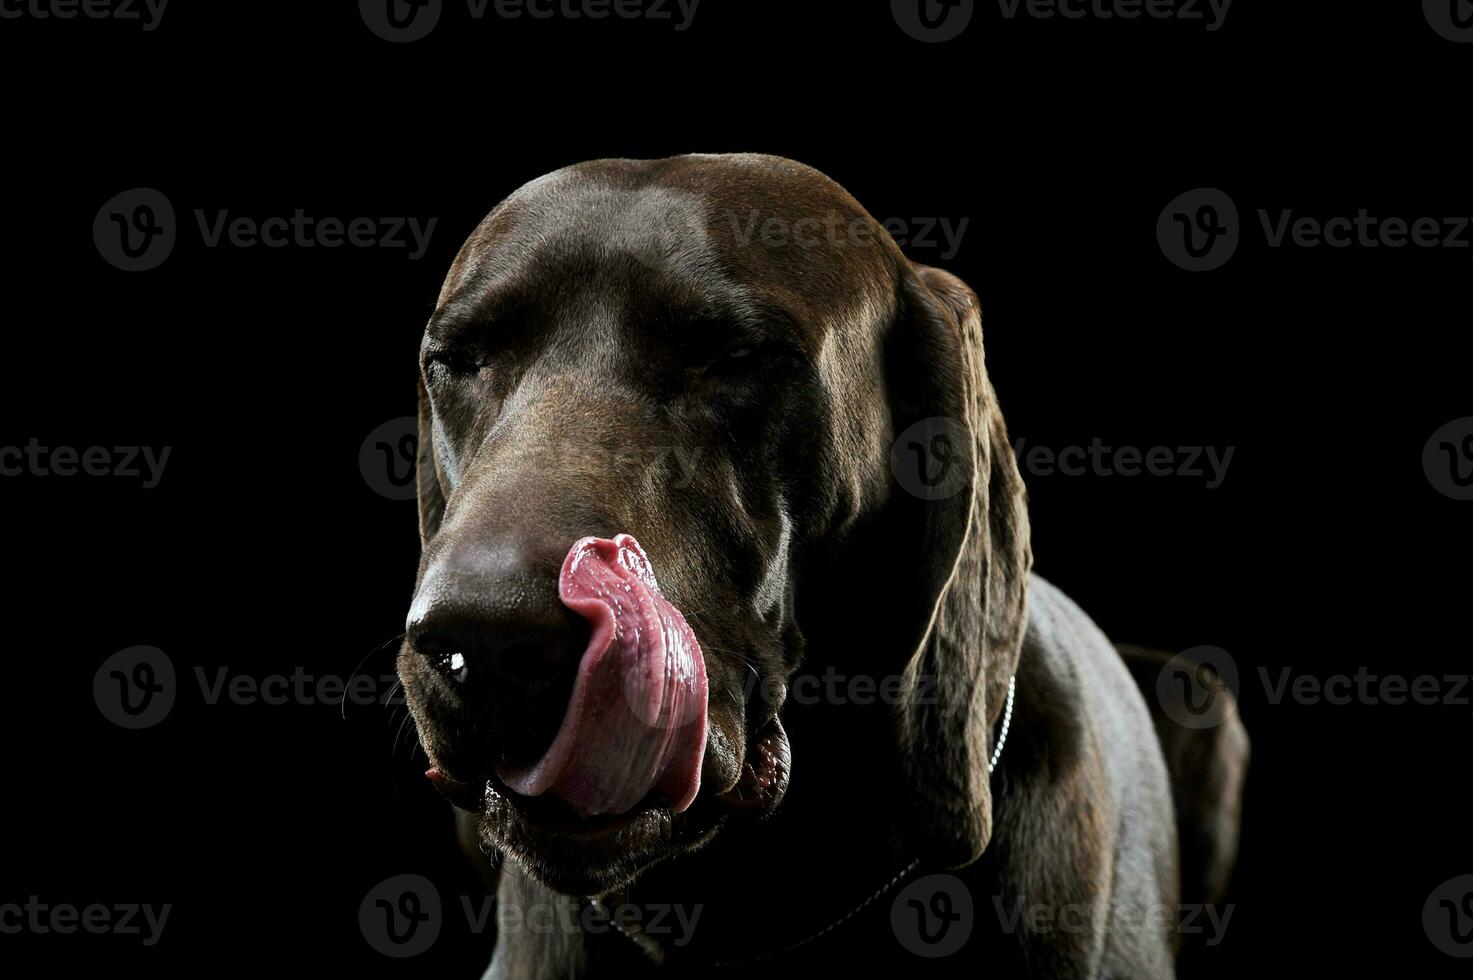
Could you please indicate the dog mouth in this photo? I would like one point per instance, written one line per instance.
(758, 789)
(580, 854)
(621, 781)
(635, 725)
(584, 854)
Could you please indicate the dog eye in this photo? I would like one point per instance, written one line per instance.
(453, 361)
(741, 357)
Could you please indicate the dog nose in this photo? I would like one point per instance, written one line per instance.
(487, 616)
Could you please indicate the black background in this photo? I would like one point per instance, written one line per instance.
(263, 549)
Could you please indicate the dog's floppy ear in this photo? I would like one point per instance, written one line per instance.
(960, 486)
(427, 476)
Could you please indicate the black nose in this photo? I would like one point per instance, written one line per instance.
(488, 618)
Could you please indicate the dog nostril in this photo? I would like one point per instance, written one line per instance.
(444, 655)
(452, 665)
(529, 663)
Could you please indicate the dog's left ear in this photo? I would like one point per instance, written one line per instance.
(968, 502)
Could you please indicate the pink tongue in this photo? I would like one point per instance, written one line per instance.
(637, 717)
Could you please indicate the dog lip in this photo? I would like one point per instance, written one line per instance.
(467, 796)
(551, 816)
(759, 788)
(765, 770)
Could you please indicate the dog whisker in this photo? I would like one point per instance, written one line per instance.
(343, 706)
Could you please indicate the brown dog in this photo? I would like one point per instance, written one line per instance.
(727, 358)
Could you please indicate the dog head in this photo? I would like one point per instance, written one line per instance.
(658, 461)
